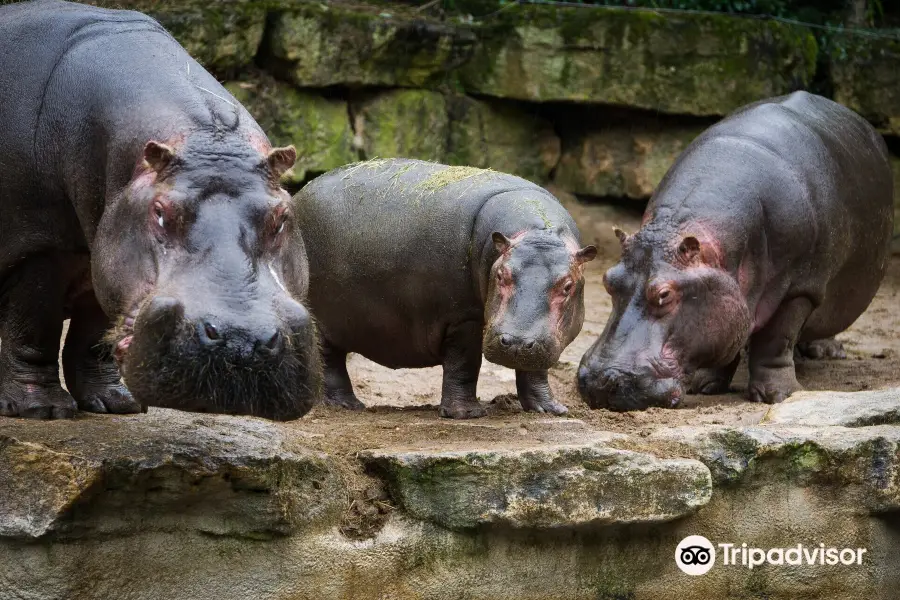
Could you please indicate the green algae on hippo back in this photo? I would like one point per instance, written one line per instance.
(416, 264)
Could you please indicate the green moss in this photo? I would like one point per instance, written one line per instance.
(317, 126)
(328, 44)
(694, 64)
(407, 123)
(865, 78)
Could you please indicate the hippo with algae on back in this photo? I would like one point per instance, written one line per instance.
(416, 264)
(772, 230)
(135, 190)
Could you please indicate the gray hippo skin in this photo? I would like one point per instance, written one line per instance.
(136, 194)
(771, 230)
(416, 264)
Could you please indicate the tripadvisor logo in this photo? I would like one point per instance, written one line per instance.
(696, 555)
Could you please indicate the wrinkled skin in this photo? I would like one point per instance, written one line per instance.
(753, 239)
(413, 266)
(148, 212)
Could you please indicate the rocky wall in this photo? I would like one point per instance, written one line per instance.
(175, 505)
(347, 80)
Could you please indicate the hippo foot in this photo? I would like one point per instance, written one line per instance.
(543, 405)
(771, 393)
(709, 381)
(828, 348)
(343, 400)
(34, 401)
(114, 399)
(461, 409)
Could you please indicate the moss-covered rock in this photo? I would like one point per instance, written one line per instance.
(402, 123)
(319, 127)
(502, 137)
(164, 471)
(548, 487)
(222, 35)
(698, 64)
(321, 44)
(620, 160)
(866, 78)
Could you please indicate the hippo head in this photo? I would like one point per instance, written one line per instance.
(203, 267)
(534, 305)
(674, 310)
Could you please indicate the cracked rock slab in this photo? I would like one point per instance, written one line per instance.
(164, 471)
(542, 487)
(845, 409)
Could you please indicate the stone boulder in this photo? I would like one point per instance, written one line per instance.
(221, 35)
(164, 471)
(622, 159)
(319, 127)
(866, 78)
(401, 123)
(501, 136)
(454, 129)
(695, 64)
(319, 44)
(844, 409)
(542, 487)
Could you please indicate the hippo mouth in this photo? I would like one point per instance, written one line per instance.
(121, 336)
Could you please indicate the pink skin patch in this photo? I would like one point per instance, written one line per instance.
(259, 143)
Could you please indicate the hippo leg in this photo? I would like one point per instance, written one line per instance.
(90, 370)
(534, 393)
(338, 387)
(31, 305)
(818, 349)
(715, 380)
(462, 362)
(772, 374)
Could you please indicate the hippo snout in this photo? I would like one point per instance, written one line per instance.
(620, 390)
(519, 351)
(199, 356)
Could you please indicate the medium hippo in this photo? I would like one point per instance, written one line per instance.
(136, 192)
(773, 227)
(415, 264)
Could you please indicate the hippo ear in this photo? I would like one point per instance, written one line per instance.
(501, 242)
(692, 251)
(689, 249)
(158, 155)
(623, 237)
(280, 160)
(586, 254)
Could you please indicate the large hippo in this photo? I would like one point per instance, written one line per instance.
(773, 227)
(135, 192)
(415, 264)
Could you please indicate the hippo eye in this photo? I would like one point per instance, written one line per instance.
(567, 289)
(159, 214)
(663, 296)
(499, 277)
(280, 227)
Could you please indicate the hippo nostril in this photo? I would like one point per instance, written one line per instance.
(274, 341)
(211, 332)
(506, 339)
(609, 380)
(529, 345)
